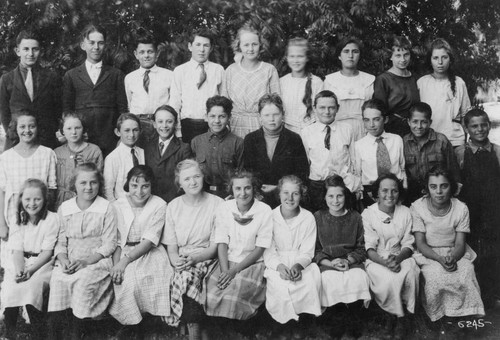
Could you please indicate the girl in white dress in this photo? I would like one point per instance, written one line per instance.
(31, 243)
(299, 87)
(392, 271)
(293, 280)
(351, 86)
(141, 270)
(80, 280)
(445, 92)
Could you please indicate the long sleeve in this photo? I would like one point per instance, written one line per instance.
(274, 82)
(451, 162)
(128, 91)
(5, 114)
(408, 239)
(68, 93)
(319, 254)
(302, 164)
(307, 246)
(402, 162)
(110, 173)
(359, 253)
(176, 91)
(62, 240)
(109, 233)
(380, 90)
(271, 257)
(121, 97)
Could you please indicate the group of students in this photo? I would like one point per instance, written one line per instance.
(197, 209)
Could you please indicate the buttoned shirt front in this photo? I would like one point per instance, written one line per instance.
(460, 151)
(142, 102)
(94, 70)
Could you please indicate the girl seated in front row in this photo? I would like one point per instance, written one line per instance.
(31, 243)
(87, 239)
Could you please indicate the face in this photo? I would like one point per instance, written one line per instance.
(200, 49)
(27, 129)
(73, 130)
(191, 180)
(28, 52)
(32, 201)
(217, 119)
(146, 54)
(335, 199)
(326, 109)
(419, 124)
(373, 121)
(388, 193)
(400, 58)
(297, 58)
(87, 185)
(129, 132)
(290, 196)
(249, 45)
(478, 129)
(164, 124)
(271, 117)
(243, 191)
(93, 46)
(139, 190)
(439, 189)
(440, 60)
(349, 56)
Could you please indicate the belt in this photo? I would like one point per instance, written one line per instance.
(132, 243)
(28, 254)
(145, 116)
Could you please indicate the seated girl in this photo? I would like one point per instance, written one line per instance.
(392, 271)
(27, 275)
(440, 224)
(141, 268)
(293, 282)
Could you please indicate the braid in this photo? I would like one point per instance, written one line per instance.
(453, 81)
(307, 100)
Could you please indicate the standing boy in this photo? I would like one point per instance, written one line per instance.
(219, 150)
(148, 87)
(195, 82)
(95, 91)
(424, 149)
(479, 161)
(33, 88)
(378, 152)
(126, 155)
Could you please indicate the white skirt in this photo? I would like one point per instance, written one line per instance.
(344, 287)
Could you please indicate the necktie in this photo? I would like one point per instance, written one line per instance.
(29, 84)
(134, 157)
(203, 75)
(327, 137)
(160, 147)
(145, 81)
(383, 159)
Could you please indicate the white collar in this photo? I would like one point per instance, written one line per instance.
(100, 205)
(89, 65)
(153, 69)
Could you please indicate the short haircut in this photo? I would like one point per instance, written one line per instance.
(71, 114)
(127, 116)
(399, 183)
(375, 104)
(28, 35)
(146, 39)
(440, 171)
(294, 180)
(186, 164)
(401, 42)
(326, 94)
(337, 181)
(91, 28)
(169, 109)
(22, 216)
(204, 33)
(87, 167)
(422, 108)
(254, 180)
(271, 99)
(225, 103)
(475, 112)
(142, 171)
(346, 41)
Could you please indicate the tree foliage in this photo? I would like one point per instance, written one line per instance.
(471, 27)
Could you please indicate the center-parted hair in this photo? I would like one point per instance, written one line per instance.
(440, 171)
(22, 216)
(338, 181)
(346, 41)
(294, 180)
(140, 171)
(254, 180)
(438, 44)
(307, 100)
(392, 177)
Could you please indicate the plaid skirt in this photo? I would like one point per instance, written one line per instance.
(241, 298)
(244, 123)
(190, 283)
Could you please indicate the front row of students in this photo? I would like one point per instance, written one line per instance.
(108, 256)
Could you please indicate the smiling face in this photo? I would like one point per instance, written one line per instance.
(73, 130)
(139, 191)
(400, 58)
(419, 124)
(217, 119)
(335, 200)
(27, 129)
(28, 52)
(440, 61)
(93, 45)
(146, 54)
(243, 192)
(129, 132)
(349, 56)
(439, 190)
(200, 49)
(290, 195)
(32, 201)
(374, 121)
(296, 58)
(478, 129)
(86, 185)
(249, 45)
(388, 194)
(271, 117)
(191, 180)
(164, 124)
(326, 109)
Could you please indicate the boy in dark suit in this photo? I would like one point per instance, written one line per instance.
(96, 91)
(33, 88)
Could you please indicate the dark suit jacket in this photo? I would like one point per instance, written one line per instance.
(164, 166)
(46, 104)
(289, 158)
(99, 104)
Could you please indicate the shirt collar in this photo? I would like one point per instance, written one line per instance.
(165, 142)
(333, 125)
(100, 205)
(89, 65)
(374, 139)
(220, 136)
(195, 64)
(125, 147)
(431, 136)
(476, 148)
(153, 69)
